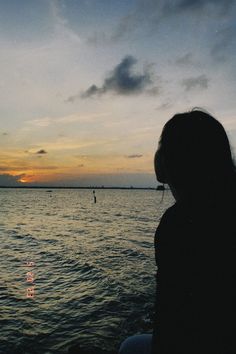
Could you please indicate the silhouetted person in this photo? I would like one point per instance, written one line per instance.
(195, 242)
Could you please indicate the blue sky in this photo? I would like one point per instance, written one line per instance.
(87, 85)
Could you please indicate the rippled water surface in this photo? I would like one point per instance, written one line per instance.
(93, 272)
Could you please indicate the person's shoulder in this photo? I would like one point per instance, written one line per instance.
(166, 226)
(168, 219)
(170, 214)
(174, 217)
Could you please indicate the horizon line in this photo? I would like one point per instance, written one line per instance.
(80, 187)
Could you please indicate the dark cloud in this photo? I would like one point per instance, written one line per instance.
(198, 82)
(93, 90)
(134, 156)
(220, 6)
(123, 81)
(7, 180)
(195, 7)
(41, 152)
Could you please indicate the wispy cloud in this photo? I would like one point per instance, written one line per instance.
(122, 80)
(186, 59)
(26, 168)
(197, 82)
(134, 156)
(165, 105)
(60, 24)
(68, 119)
(149, 14)
(69, 144)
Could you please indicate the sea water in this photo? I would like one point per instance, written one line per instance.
(74, 271)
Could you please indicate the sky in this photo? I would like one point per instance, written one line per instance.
(87, 85)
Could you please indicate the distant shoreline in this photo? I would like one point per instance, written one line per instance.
(88, 187)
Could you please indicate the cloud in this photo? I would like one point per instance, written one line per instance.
(198, 82)
(122, 81)
(72, 98)
(41, 151)
(134, 156)
(92, 90)
(149, 14)
(4, 168)
(189, 5)
(9, 180)
(41, 122)
(186, 59)
(153, 91)
(26, 168)
(165, 105)
(68, 119)
(60, 24)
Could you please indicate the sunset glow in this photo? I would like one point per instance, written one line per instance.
(87, 86)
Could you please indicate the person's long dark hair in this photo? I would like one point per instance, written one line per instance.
(194, 155)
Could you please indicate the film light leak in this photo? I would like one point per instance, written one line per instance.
(30, 277)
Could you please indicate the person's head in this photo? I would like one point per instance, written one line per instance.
(193, 152)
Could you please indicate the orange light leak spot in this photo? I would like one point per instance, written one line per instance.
(30, 292)
(30, 277)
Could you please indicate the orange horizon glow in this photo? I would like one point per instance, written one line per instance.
(62, 177)
(71, 169)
